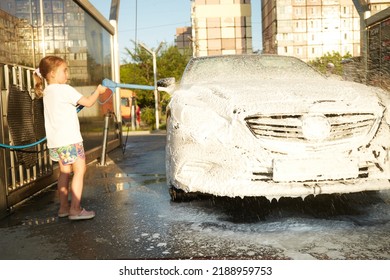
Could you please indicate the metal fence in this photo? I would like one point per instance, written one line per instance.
(21, 123)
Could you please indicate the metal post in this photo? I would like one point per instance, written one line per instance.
(156, 99)
(155, 90)
(3, 162)
(363, 10)
(114, 18)
(105, 136)
(133, 116)
(42, 17)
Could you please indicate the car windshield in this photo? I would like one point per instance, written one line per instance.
(245, 67)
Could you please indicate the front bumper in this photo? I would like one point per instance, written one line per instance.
(242, 167)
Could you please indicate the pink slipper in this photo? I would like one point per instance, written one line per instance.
(83, 215)
(63, 215)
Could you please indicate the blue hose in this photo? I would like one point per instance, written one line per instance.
(107, 83)
(112, 85)
(32, 144)
(22, 146)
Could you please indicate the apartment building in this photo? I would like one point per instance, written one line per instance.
(375, 6)
(183, 40)
(221, 27)
(311, 28)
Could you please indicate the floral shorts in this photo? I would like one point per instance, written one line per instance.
(67, 154)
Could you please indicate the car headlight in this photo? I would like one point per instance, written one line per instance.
(201, 123)
(315, 127)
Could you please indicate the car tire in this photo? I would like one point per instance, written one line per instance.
(178, 195)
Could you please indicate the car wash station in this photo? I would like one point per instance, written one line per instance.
(30, 30)
(76, 31)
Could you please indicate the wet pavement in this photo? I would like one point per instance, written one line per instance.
(136, 220)
(117, 192)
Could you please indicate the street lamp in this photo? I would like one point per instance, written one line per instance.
(153, 53)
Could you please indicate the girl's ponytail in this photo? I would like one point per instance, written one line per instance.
(38, 83)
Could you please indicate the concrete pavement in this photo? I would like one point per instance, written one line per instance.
(33, 230)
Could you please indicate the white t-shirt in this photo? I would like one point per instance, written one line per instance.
(61, 120)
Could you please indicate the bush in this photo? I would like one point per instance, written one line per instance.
(148, 116)
(335, 58)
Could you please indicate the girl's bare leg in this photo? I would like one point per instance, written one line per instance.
(79, 168)
(63, 188)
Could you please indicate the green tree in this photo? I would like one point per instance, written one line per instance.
(335, 58)
(171, 63)
(138, 69)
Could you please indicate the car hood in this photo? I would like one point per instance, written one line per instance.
(286, 96)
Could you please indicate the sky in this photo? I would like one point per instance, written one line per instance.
(154, 21)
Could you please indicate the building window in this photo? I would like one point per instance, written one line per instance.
(298, 11)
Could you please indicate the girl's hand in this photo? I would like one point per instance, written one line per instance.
(88, 101)
(101, 89)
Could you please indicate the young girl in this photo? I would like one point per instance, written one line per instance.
(63, 131)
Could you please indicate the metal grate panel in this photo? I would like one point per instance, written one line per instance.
(39, 120)
(21, 125)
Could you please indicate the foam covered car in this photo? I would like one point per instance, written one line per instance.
(272, 126)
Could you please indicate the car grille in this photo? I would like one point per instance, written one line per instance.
(289, 127)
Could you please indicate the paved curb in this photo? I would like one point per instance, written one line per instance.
(143, 132)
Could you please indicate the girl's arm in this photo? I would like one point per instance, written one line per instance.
(88, 101)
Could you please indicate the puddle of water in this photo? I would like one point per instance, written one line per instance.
(40, 221)
(117, 187)
(126, 175)
(122, 186)
(12, 221)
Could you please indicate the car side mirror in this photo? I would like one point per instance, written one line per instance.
(166, 84)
